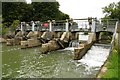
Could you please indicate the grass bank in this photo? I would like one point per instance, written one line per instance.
(112, 66)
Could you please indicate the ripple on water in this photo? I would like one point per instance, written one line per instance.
(57, 64)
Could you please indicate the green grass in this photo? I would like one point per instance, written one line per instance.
(112, 66)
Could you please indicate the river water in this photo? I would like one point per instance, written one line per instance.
(29, 63)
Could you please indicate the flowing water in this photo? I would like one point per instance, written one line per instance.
(29, 63)
(74, 43)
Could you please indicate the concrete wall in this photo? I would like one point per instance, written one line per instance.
(47, 35)
(81, 50)
(92, 37)
(84, 46)
(66, 36)
(54, 44)
(118, 35)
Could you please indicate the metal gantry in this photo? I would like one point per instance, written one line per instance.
(107, 25)
(73, 25)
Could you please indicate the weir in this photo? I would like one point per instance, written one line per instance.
(50, 30)
(63, 41)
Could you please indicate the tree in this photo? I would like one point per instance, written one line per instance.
(47, 11)
(14, 25)
(112, 11)
(16, 11)
(27, 12)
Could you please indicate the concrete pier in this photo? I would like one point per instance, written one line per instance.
(2, 40)
(56, 44)
(17, 39)
(84, 46)
(31, 40)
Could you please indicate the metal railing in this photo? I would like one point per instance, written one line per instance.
(80, 25)
(114, 36)
(43, 28)
(107, 25)
(58, 26)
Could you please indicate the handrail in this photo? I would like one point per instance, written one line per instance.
(114, 35)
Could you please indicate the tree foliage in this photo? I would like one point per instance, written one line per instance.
(27, 12)
(112, 11)
(14, 25)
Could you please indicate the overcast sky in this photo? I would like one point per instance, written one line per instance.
(83, 8)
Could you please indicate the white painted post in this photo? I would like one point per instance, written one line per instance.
(93, 27)
(67, 25)
(50, 25)
(21, 26)
(33, 26)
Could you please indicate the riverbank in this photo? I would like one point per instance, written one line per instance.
(110, 68)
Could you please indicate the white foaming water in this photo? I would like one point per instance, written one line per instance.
(69, 48)
(95, 57)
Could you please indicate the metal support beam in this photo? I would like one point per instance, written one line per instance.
(50, 25)
(93, 27)
(33, 26)
(67, 25)
(21, 26)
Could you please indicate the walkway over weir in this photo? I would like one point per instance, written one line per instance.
(74, 25)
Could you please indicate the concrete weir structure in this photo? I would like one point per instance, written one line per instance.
(2, 40)
(84, 46)
(38, 41)
(37, 38)
(16, 40)
(59, 34)
(94, 36)
(57, 43)
(18, 37)
(31, 40)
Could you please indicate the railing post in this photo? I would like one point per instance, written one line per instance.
(33, 26)
(53, 25)
(67, 25)
(118, 36)
(50, 25)
(93, 27)
(114, 35)
(21, 26)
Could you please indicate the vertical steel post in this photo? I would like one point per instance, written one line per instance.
(33, 26)
(21, 26)
(50, 25)
(93, 27)
(67, 25)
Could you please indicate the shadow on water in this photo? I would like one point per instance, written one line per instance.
(29, 63)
